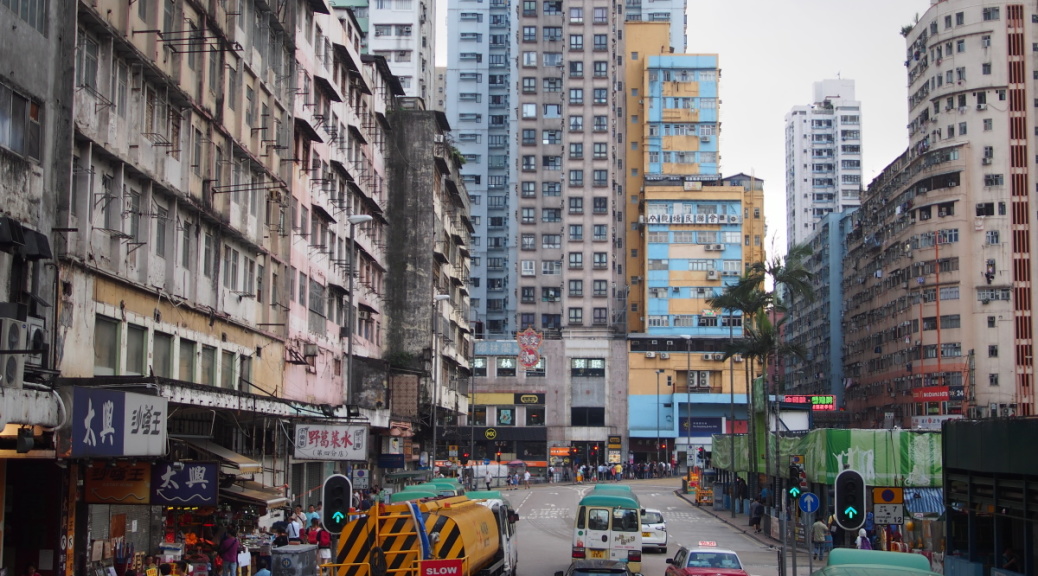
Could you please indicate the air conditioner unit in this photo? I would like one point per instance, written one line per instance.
(664, 356)
(985, 161)
(941, 213)
(13, 337)
(704, 138)
(737, 358)
(36, 339)
(650, 354)
(715, 247)
(438, 138)
(708, 356)
(310, 350)
(982, 107)
(733, 219)
(719, 356)
(636, 279)
(712, 275)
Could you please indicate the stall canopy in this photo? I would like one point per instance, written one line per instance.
(240, 464)
(254, 493)
(924, 501)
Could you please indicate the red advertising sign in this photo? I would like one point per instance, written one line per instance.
(441, 567)
(930, 394)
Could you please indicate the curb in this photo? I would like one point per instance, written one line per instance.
(727, 519)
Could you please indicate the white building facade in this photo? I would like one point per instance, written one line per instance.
(823, 157)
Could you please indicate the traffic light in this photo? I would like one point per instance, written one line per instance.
(794, 481)
(464, 458)
(337, 496)
(849, 491)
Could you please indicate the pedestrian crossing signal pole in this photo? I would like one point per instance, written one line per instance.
(337, 497)
(849, 490)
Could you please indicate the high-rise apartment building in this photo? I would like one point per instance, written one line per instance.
(537, 119)
(814, 324)
(401, 31)
(938, 282)
(673, 12)
(689, 233)
(480, 105)
(823, 157)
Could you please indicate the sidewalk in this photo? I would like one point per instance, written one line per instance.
(740, 522)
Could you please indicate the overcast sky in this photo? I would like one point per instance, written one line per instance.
(771, 51)
(770, 54)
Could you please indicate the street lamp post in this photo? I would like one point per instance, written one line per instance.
(350, 321)
(688, 393)
(658, 372)
(731, 408)
(436, 374)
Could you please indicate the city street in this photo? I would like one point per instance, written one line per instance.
(546, 514)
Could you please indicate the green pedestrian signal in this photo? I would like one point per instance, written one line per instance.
(849, 490)
(336, 497)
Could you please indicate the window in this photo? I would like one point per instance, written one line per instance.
(576, 41)
(529, 137)
(587, 367)
(576, 178)
(600, 178)
(505, 367)
(576, 205)
(575, 316)
(600, 288)
(86, 65)
(601, 96)
(576, 69)
(576, 95)
(990, 14)
(576, 15)
(551, 215)
(106, 337)
(528, 215)
(576, 260)
(529, 8)
(20, 121)
(529, 110)
(576, 123)
(162, 355)
(551, 59)
(186, 366)
(576, 150)
(529, 85)
(993, 179)
(529, 33)
(529, 189)
(551, 188)
(550, 241)
(601, 123)
(601, 42)
(600, 261)
(985, 68)
(136, 349)
(601, 69)
(161, 215)
(552, 84)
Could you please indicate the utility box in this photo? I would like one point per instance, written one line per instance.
(294, 560)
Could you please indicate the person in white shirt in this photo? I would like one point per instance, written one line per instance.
(293, 530)
(526, 479)
(488, 479)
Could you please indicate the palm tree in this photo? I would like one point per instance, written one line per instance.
(761, 342)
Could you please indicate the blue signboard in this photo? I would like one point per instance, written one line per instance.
(110, 423)
(184, 483)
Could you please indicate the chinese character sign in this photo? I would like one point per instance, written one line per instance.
(123, 483)
(113, 423)
(320, 442)
(184, 483)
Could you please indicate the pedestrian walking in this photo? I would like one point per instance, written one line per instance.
(819, 535)
(488, 478)
(526, 479)
(862, 541)
(756, 513)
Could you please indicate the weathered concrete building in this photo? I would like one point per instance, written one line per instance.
(35, 128)
(429, 340)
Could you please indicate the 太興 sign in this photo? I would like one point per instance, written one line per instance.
(111, 423)
(338, 442)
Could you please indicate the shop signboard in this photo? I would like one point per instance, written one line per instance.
(184, 483)
(111, 423)
(700, 426)
(124, 483)
(331, 442)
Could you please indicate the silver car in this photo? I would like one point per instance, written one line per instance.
(654, 530)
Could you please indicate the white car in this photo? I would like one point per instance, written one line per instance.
(654, 530)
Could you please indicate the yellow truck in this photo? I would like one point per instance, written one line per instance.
(447, 536)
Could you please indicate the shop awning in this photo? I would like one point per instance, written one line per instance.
(241, 464)
(254, 493)
(924, 501)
